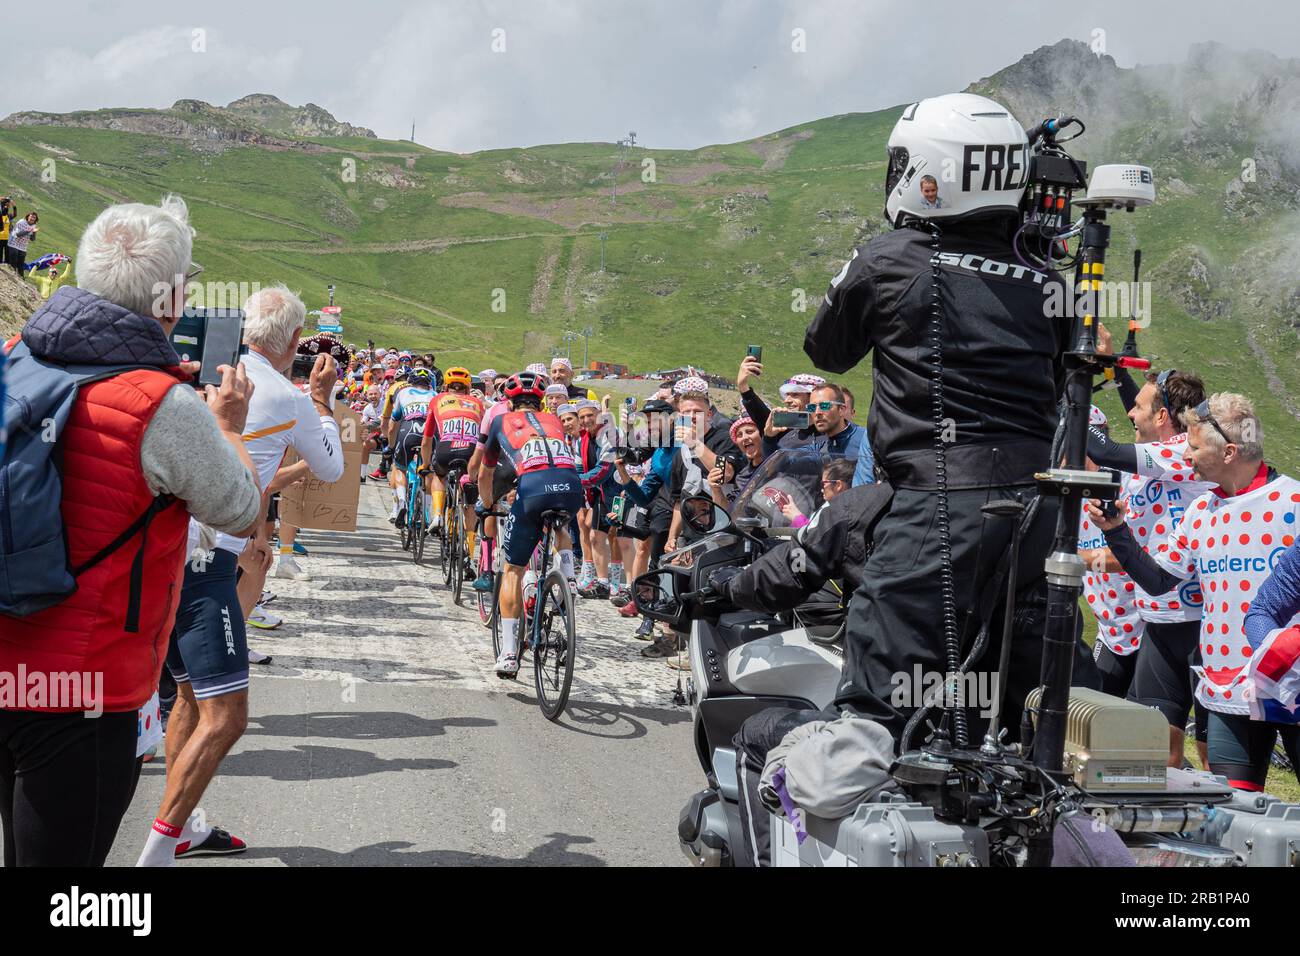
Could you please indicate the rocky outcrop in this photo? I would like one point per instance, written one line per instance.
(18, 300)
(259, 119)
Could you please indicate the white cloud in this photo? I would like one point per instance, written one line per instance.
(681, 72)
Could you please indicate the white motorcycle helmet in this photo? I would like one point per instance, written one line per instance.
(954, 156)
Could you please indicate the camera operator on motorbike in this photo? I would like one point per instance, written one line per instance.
(813, 573)
(967, 367)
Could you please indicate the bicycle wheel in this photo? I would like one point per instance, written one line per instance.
(486, 599)
(556, 645)
(458, 564)
(405, 529)
(450, 521)
(494, 621)
(416, 523)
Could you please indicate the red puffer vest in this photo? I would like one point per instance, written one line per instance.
(104, 490)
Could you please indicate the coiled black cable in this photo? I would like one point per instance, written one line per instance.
(938, 420)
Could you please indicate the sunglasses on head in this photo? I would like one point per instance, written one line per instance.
(1162, 382)
(822, 406)
(1203, 415)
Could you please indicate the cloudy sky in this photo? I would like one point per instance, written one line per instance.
(477, 74)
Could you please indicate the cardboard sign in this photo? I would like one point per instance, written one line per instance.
(329, 505)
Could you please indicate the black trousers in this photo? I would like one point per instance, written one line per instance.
(65, 782)
(895, 619)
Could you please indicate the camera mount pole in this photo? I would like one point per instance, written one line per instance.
(1064, 567)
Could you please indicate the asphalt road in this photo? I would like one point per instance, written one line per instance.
(379, 735)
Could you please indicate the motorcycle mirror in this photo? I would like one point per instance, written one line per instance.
(655, 596)
(703, 515)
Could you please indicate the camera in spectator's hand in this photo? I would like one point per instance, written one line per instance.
(634, 454)
(302, 366)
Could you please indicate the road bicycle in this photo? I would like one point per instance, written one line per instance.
(547, 626)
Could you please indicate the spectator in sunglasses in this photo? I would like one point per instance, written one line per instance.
(837, 437)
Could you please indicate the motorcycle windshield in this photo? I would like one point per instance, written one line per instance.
(791, 476)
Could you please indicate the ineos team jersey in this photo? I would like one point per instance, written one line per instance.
(533, 441)
(1157, 497)
(1112, 596)
(1232, 544)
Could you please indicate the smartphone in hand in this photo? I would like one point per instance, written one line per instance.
(212, 337)
(783, 418)
(755, 352)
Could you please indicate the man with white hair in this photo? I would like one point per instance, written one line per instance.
(562, 374)
(209, 650)
(142, 451)
(1228, 539)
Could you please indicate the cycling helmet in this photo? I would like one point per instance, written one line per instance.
(526, 383)
(404, 372)
(457, 376)
(421, 377)
(968, 152)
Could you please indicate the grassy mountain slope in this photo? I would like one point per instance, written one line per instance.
(707, 254)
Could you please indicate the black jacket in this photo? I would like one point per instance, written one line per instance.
(717, 438)
(1001, 352)
(833, 546)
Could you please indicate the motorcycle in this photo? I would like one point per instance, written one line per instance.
(742, 662)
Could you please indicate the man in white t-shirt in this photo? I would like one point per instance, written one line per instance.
(209, 651)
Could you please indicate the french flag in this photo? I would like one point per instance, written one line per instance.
(1275, 670)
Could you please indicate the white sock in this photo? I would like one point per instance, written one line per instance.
(510, 636)
(566, 563)
(160, 847)
(615, 575)
(194, 832)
